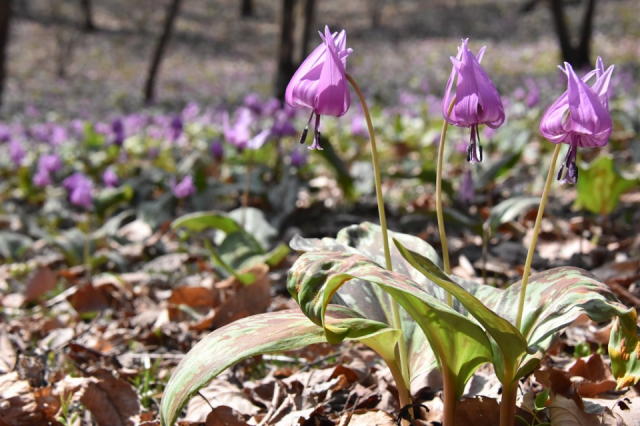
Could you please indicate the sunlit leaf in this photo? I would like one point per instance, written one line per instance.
(511, 343)
(259, 334)
(461, 345)
(201, 221)
(624, 350)
(600, 186)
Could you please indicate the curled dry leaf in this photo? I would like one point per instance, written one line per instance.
(219, 393)
(565, 412)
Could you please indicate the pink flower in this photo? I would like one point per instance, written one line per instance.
(477, 100)
(321, 83)
(579, 117)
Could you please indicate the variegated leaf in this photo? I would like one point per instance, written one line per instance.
(372, 301)
(260, 334)
(624, 350)
(512, 344)
(461, 345)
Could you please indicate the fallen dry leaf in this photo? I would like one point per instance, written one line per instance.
(112, 401)
(8, 357)
(565, 412)
(18, 406)
(225, 416)
(42, 281)
(219, 393)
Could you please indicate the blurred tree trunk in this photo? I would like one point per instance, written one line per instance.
(5, 19)
(577, 56)
(88, 25)
(163, 41)
(246, 10)
(295, 32)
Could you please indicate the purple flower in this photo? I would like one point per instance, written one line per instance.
(50, 163)
(217, 150)
(191, 111)
(271, 107)
(110, 178)
(5, 133)
(184, 188)
(57, 135)
(16, 152)
(533, 97)
(253, 102)
(359, 126)
(466, 188)
(117, 127)
(80, 188)
(42, 178)
(282, 126)
(477, 100)
(579, 117)
(298, 158)
(239, 134)
(175, 128)
(321, 84)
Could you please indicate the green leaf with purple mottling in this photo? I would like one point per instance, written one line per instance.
(259, 334)
(460, 344)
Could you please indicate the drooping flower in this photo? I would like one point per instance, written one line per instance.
(579, 117)
(184, 188)
(298, 158)
(477, 100)
(239, 134)
(47, 164)
(175, 129)
(321, 83)
(80, 188)
(110, 178)
(117, 127)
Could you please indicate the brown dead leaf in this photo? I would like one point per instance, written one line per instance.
(8, 357)
(225, 416)
(87, 298)
(42, 281)
(201, 299)
(565, 412)
(368, 418)
(560, 383)
(112, 401)
(482, 411)
(597, 376)
(219, 393)
(621, 273)
(18, 405)
(248, 300)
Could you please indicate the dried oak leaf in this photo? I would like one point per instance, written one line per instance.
(112, 401)
(225, 416)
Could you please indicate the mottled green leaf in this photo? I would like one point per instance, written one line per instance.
(624, 350)
(554, 299)
(201, 221)
(260, 334)
(508, 210)
(461, 345)
(600, 186)
(512, 344)
(13, 245)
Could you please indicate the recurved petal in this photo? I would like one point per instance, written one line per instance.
(333, 92)
(492, 111)
(465, 111)
(553, 125)
(309, 70)
(588, 115)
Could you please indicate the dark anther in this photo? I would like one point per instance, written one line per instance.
(303, 137)
(469, 148)
(480, 146)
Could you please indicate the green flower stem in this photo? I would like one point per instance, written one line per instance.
(397, 321)
(443, 235)
(534, 238)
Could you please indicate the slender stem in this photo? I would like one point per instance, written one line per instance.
(508, 404)
(443, 235)
(397, 321)
(87, 245)
(449, 399)
(534, 238)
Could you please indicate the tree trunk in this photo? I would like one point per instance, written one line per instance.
(5, 19)
(163, 41)
(246, 10)
(577, 56)
(286, 68)
(88, 24)
(295, 33)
